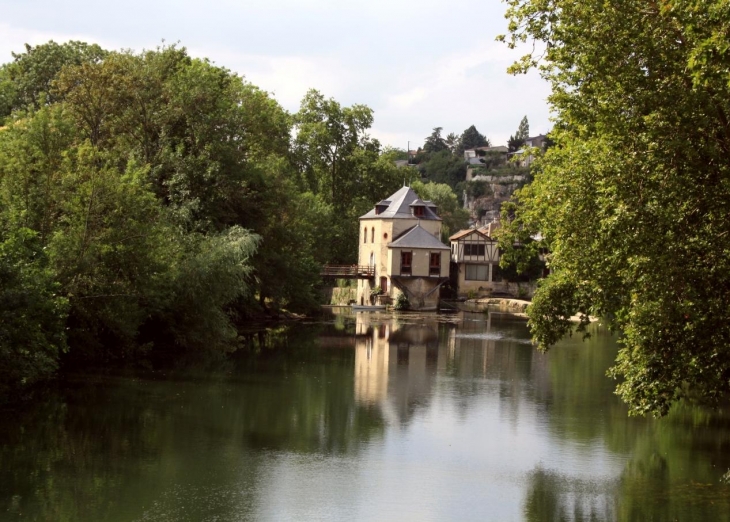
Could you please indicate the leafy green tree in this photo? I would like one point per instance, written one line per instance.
(327, 137)
(443, 167)
(471, 138)
(27, 81)
(516, 142)
(633, 198)
(32, 312)
(452, 142)
(343, 166)
(394, 153)
(435, 142)
(206, 134)
(453, 215)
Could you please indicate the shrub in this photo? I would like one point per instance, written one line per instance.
(402, 302)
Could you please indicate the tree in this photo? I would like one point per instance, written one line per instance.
(633, 198)
(443, 167)
(452, 142)
(29, 78)
(339, 163)
(327, 136)
(453, 215)
(470, 139)
(435, 143)
(32, 313)
(516, 142)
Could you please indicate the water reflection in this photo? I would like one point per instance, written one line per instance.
(364, 417)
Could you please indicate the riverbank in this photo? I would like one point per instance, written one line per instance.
(516, 307)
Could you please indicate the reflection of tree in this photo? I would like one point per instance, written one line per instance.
(110, 448)
(676, 462)
(554, 497)
(675, 468)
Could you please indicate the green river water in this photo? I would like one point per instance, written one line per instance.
(367, 416)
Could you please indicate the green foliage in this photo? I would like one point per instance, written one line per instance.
(165, 202)
(394, 153)
(327, 138)
(210, 274)
(516, 142)
(435, 142)
(402, 302)
(633, 198)
(476, 189)
(519, 256)
(32, 313)
(443, 167)
(337, 161)
(470, 139)
(453, 215)
(26, 83)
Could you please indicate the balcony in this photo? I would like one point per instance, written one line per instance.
(348, 271)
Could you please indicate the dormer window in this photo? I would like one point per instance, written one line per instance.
(418, 208)
(381, 207)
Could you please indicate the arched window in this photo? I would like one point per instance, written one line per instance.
(372, 235)
(365, 235)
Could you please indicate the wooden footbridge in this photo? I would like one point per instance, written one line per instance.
(348, 271)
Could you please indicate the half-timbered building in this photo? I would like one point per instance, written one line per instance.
(475, 262)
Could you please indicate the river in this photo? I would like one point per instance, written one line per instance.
(367, 416)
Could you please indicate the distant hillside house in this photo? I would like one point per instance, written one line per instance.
(481, 151)
(475, 262)
(539, 141)
(399, 237)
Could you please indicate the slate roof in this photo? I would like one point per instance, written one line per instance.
(399, 207)
(418, 237)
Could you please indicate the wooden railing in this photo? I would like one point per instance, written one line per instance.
(348, 271)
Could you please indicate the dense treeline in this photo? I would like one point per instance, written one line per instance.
(154, 198)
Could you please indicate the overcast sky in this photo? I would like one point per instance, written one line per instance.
(418, 65)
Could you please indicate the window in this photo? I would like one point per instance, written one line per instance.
(365, 235)
(406, 258)
(384, 285)
(474, 250)
(477, 273)
(418, 211)
(434, 266)
(372, 235)
(385, 236)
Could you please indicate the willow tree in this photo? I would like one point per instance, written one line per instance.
(633, 201)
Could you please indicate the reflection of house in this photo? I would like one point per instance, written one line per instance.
(399, 238)
(475, 261)
(398, 364)
(395, 364)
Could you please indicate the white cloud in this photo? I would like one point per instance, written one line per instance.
(288, 78)
(418, 67)
(463, 89)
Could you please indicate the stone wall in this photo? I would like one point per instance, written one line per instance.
(339, 296)
(486, 289)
